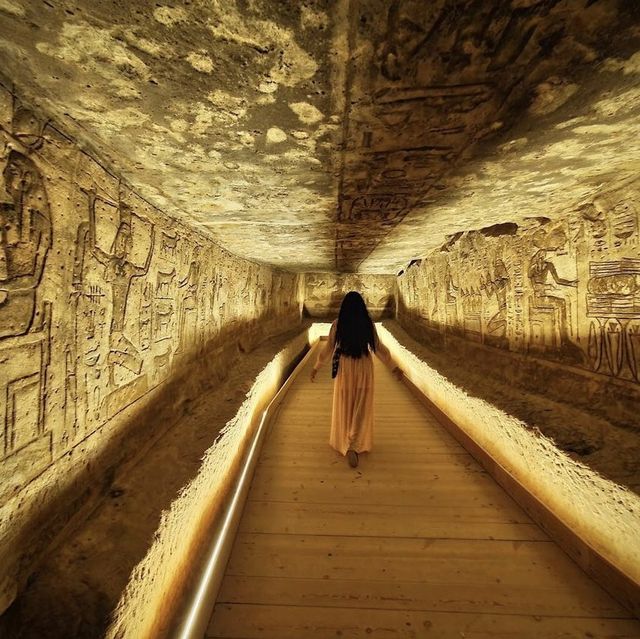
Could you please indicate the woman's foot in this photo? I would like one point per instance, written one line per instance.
(352, 458)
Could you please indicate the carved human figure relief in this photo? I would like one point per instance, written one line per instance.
(497, 284)
(25, 318)
(548, 303)
(189, 285)
(118, 272)
(25, 240)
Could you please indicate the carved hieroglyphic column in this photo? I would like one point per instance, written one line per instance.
(25, 317)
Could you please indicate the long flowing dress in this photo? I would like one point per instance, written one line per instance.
(352, 413)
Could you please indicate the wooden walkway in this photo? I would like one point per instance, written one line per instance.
(419, 541)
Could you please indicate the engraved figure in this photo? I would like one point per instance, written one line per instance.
(613, 299)
(633, 348)
(451, 301)
(119, 271)
(84, 361)
(25, 239)
(545, 302)
(597, 227)
(624, 222)
(28, 127)
(188, 312)
(169, 246)
(145, 317)
(23, 382)
(498, 285)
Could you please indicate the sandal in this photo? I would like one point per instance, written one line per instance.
(352, 458)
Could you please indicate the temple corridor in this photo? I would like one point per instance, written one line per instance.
(193, 193)
(418, 541)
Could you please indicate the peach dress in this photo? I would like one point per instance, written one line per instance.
(352, 414)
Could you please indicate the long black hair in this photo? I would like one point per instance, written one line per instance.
(354, 333)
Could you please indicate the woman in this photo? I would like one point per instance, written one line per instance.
(352, 340)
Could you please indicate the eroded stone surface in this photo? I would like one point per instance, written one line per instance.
(336, 135)
(324, 292)
(504, 88)
(547, 166)
(185, 100)
(108, 308)
(76, 589)
(567, 292)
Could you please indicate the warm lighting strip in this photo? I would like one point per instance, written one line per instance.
(201, 604)
(602, 513)
(203, 601)
(209, 507)
(535, 461)
(318, 330)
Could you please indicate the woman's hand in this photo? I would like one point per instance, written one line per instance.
(314, 372)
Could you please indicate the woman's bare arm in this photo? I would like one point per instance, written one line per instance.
(325, 351)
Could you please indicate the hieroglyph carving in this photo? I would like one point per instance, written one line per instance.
(25, 239)
(102, 278)
(567, 290)
(613, 285)
(324, 293)
(103, 299)
(428, 81)
(189, 286)
(25, 318)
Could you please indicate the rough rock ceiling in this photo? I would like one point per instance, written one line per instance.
(340, 134)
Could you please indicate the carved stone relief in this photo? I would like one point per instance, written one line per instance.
(427, 83)
(566, 290)
(133, 296)
(25, 317)
(324, 293)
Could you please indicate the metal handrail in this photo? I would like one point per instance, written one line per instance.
(198, 603)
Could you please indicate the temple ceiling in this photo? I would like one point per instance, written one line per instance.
(340, 135)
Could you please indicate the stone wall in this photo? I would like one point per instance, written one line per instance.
(565, 294)
(324, 292)
(105, 303)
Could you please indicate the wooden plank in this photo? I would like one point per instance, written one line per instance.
(388, 496)
(373, 520)
(417, 541)
(364, 490)
(316, 449)
(612, 577)
(400, 429)
(546, 598)
(293, 622)
(469, 476)
(381, 448)
(438, 465)
(320, 456)
(382, 440)
(426, 560)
